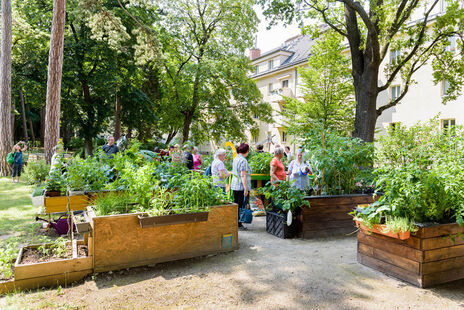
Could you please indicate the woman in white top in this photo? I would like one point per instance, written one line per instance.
(218, 170)
(300, 171)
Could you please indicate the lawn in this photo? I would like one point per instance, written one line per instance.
(17, 214)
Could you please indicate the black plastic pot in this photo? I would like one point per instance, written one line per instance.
(276, 224)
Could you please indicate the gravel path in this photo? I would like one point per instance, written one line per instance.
(265, 273)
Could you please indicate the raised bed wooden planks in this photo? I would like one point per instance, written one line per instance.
(119, 241)
(427, 258)
(328, 215)
(59, 204)
(46, 274)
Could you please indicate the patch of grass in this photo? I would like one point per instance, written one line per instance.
(16, 209)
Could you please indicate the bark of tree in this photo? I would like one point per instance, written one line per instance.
(31, 126)
(55, 66)
(88, 146)
(42, 126)
(117, 119)
(6, 130)
(23, 114)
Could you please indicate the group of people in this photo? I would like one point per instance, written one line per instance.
(298, 171)
(190, 155)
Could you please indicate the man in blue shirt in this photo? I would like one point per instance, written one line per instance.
(110, 149)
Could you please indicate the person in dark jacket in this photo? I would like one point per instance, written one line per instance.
(110, 149)
(188, 157)
(17, 165)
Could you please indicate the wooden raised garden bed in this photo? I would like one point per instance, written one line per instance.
(50, 273)
(429, 257)
(120, 242)
(328, 215)
(259, 180)
(59, 204)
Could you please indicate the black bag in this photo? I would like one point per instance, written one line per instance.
(245, 214)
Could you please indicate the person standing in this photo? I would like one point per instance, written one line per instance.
(17, 165)
(300, 172)
(288, 153)
(219, 170)
(241, 178)
(188, 157)
(197, 161)
(259, 148)
(277, 167)
(110, 149)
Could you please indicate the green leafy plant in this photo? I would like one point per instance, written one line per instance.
(339, 162)
(38, 190)
(36, 172)
(55, 181)
(56, 248)
(284, 196)
(260, 162)
(88, 174)
(8, 253)
(113, 203)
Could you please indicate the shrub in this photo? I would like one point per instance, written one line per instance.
(284, 196)
(36, 172)
(260, 162)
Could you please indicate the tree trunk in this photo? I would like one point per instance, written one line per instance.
(88, 146)
(55, 66)
(42, 126)
(31, 127)
(129, 132)
(366, 104)
(6, 131)
(186, 129)
(23, 114)
(117, 119)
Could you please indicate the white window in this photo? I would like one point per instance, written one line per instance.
(445, 85)
(394, 56)
(270, 88)
(284, 136)
(443, 5)
(270, 64)
(448, 123)
(257, 69)
(395, 92)
(452, 44)
(284, 83)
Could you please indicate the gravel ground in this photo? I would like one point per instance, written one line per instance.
(265, 273)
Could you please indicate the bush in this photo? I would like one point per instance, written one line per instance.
(36, 172)
(339, 162)
(260, 163)
(420, 172)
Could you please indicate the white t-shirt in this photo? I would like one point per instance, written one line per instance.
(216, 167)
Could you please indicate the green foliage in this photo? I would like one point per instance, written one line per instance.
(260, 162)
(36, 172)
(420, 173)
(8, 254)
(339, 162)
(113, 203)
(56, 248)
(327, 88)
(88, 174)
(38, 190)
(55, 181)
(284, 196)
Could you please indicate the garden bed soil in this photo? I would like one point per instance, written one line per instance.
(32, 256)
(119, 242)
(328, 215)
(429, 257)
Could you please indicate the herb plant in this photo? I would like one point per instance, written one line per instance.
(284, 196)
(36, 172)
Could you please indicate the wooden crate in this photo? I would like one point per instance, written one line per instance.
(328, 215)
(59, 204)
(427, 258)
(119, 241)
(46, 274)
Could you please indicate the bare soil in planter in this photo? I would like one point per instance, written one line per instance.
(33, 256)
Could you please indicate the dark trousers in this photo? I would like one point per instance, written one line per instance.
(238, 199)
(16, 170)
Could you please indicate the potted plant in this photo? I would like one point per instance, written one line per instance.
(420, 172)
(285, 203)
(55, 184)
(37, 196)
(86, 175)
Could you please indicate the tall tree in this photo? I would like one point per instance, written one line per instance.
(6, 134)
(414, 33)
(55, 67)
(327, 88)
